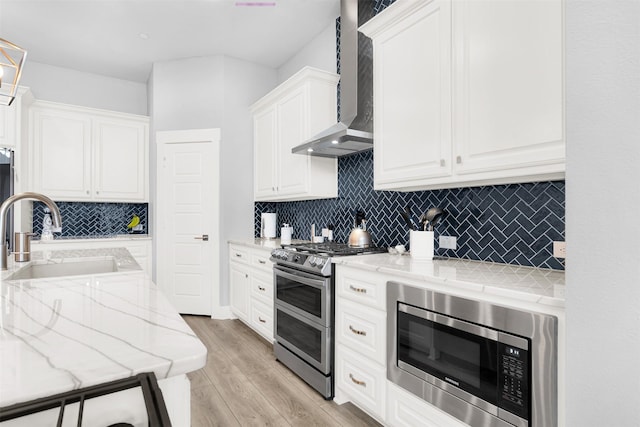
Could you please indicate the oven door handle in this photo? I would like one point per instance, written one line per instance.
(301, 278)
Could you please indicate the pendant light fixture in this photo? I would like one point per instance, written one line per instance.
(11, 60)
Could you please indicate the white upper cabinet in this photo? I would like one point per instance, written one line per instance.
(7, 126)
(509, 103)
(13, 118)
(467, 93)
(293, 112)
(82, 154)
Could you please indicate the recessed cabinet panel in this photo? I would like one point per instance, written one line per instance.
(413, 121)
(293, 167)
(120, 160)
(239, 283)
(510, 78)
(264, 128)
(62, 154)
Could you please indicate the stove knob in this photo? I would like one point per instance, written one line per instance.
(320, 264)
(312, 261)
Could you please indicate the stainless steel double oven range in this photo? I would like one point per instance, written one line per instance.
(304, 290)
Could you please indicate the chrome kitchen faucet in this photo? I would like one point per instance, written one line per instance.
(55, 214)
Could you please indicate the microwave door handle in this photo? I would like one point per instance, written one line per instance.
(302, 279)
(450, 321)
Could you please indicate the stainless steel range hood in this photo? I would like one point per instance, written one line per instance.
(354, 132)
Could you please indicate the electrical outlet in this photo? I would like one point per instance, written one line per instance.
(559, 249)
(447, 242)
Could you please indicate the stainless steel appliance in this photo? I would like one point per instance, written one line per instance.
(487, 365)
(303, 278)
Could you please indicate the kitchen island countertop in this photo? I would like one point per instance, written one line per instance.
(63, 333)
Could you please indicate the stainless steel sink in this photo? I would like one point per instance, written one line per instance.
(66, 268)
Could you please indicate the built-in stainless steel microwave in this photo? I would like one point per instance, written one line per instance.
(485, 364)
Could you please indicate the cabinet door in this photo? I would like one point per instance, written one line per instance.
(120, 159)
(61, 142)
(508, 84)
(293, 169)
(8, 126)
(412, 95)
(239, 290)
(264, 130)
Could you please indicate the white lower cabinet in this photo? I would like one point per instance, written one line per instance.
(251, 288)
(361, 355)
(363, 380)
(239, 290)
(361, 322)
(406, 410)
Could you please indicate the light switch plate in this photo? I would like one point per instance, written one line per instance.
(447, 242)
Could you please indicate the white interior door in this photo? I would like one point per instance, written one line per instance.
(187, 267)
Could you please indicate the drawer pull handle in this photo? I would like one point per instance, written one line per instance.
(358, 382)
(261, 320)
(238, 255)
(261, 261)
(261, 288)
(357, 332)
(361, 290)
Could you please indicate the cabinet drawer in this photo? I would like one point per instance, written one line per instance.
(239, 253)
(262, 287)
(362, 328)
(362, 287)
(406, 410)
(260, 260)
(362, 380)
(262, 318)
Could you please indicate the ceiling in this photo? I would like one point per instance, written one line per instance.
(122, 38)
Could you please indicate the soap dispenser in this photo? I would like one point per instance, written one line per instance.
(47, 226)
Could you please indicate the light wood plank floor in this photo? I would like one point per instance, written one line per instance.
(243, 385)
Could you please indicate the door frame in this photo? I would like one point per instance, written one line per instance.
(205, 136)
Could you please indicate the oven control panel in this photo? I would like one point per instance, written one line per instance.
(514, 379)
(311, 263)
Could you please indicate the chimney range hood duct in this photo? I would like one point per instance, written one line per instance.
(354, 132)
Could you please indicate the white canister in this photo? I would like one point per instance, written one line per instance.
(285, 234)
(421, 244)
(268, 225)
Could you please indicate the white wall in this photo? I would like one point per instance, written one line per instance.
(67, 86)
(603, 205)
(215, 92)
(319, 53)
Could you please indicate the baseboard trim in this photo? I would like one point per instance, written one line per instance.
(222, 313)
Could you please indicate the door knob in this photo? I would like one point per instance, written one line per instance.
(204, 237)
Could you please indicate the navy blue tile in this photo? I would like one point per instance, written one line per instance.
(83, 219)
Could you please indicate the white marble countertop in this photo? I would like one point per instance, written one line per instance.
(93, 238)
(259, 243)
(523, 283)
(64, 333)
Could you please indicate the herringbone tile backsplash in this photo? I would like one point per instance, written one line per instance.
(81, 219)
(513, 224)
